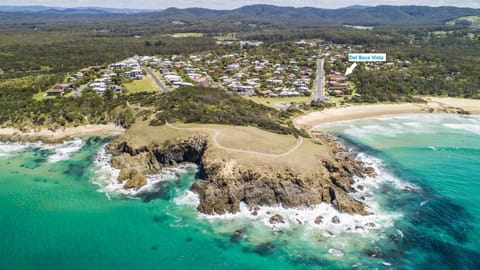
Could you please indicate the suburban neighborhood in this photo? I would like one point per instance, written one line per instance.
(286, 72)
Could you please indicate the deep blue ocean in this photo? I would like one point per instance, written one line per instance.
(58, 209)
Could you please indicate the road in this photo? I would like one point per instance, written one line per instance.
(218, 145)
(78, 91)
(213, 83)
(216, 84)
(156, 79)
(320, 87)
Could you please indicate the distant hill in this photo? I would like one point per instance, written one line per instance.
(80, 10)
(471, 21)
(24, 8)
(379, 15)
(256, 14)
(356, 7)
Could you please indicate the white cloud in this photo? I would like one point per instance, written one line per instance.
(222, 4)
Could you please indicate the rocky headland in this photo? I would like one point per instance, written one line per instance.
(225, 182)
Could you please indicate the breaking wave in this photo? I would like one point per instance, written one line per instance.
(106, 177)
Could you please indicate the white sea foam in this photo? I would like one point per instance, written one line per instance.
(472, 128)
(394, 126)
(336, 252)
(304, 217)
(9, 147)
(166, 174)
(59, 152)
(189, 198)
(366, 131)
(383, 175)
(106, 177)
(106, 174)
(300, 221)
(63, 151)
(390, 130)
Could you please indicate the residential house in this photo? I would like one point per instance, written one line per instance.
(57, 90)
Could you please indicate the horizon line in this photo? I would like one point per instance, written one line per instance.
(218, 9)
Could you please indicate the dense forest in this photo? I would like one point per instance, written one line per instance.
(441, 66)
(32, 52)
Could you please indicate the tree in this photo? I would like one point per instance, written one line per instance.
(108, 95)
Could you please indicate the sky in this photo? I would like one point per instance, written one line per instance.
(226, 4)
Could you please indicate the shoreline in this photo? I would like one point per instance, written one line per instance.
(306, 121)
(356, 112)
(49, 136)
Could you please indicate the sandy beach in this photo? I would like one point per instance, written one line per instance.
(470, 105)
(61, 134)
(366, 111)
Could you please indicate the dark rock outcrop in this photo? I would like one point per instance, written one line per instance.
(319, 220)
(230, 183)
(227, 183)
(276, 219)
(265, 249)
(133, 179)
(336, 220)
(134, 161)
(237, 236)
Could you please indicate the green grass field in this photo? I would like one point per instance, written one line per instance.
(145, 85)
(41, 96)
(475, 20)
(305, 158)
(187, 35)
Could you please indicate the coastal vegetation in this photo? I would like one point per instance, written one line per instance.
(210, 106)
(189, 105)
(89, 108)
(37, 53)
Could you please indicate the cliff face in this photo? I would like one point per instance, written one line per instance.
(226, 183)
(134, 163)
(229, 183)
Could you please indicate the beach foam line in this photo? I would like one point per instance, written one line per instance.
(406, 123)
(15, 147)
(471, 128)
(65, 150)
(58, 153)
(388, 130)
(356, 112)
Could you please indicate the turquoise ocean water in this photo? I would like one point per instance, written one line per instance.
(57, 210)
